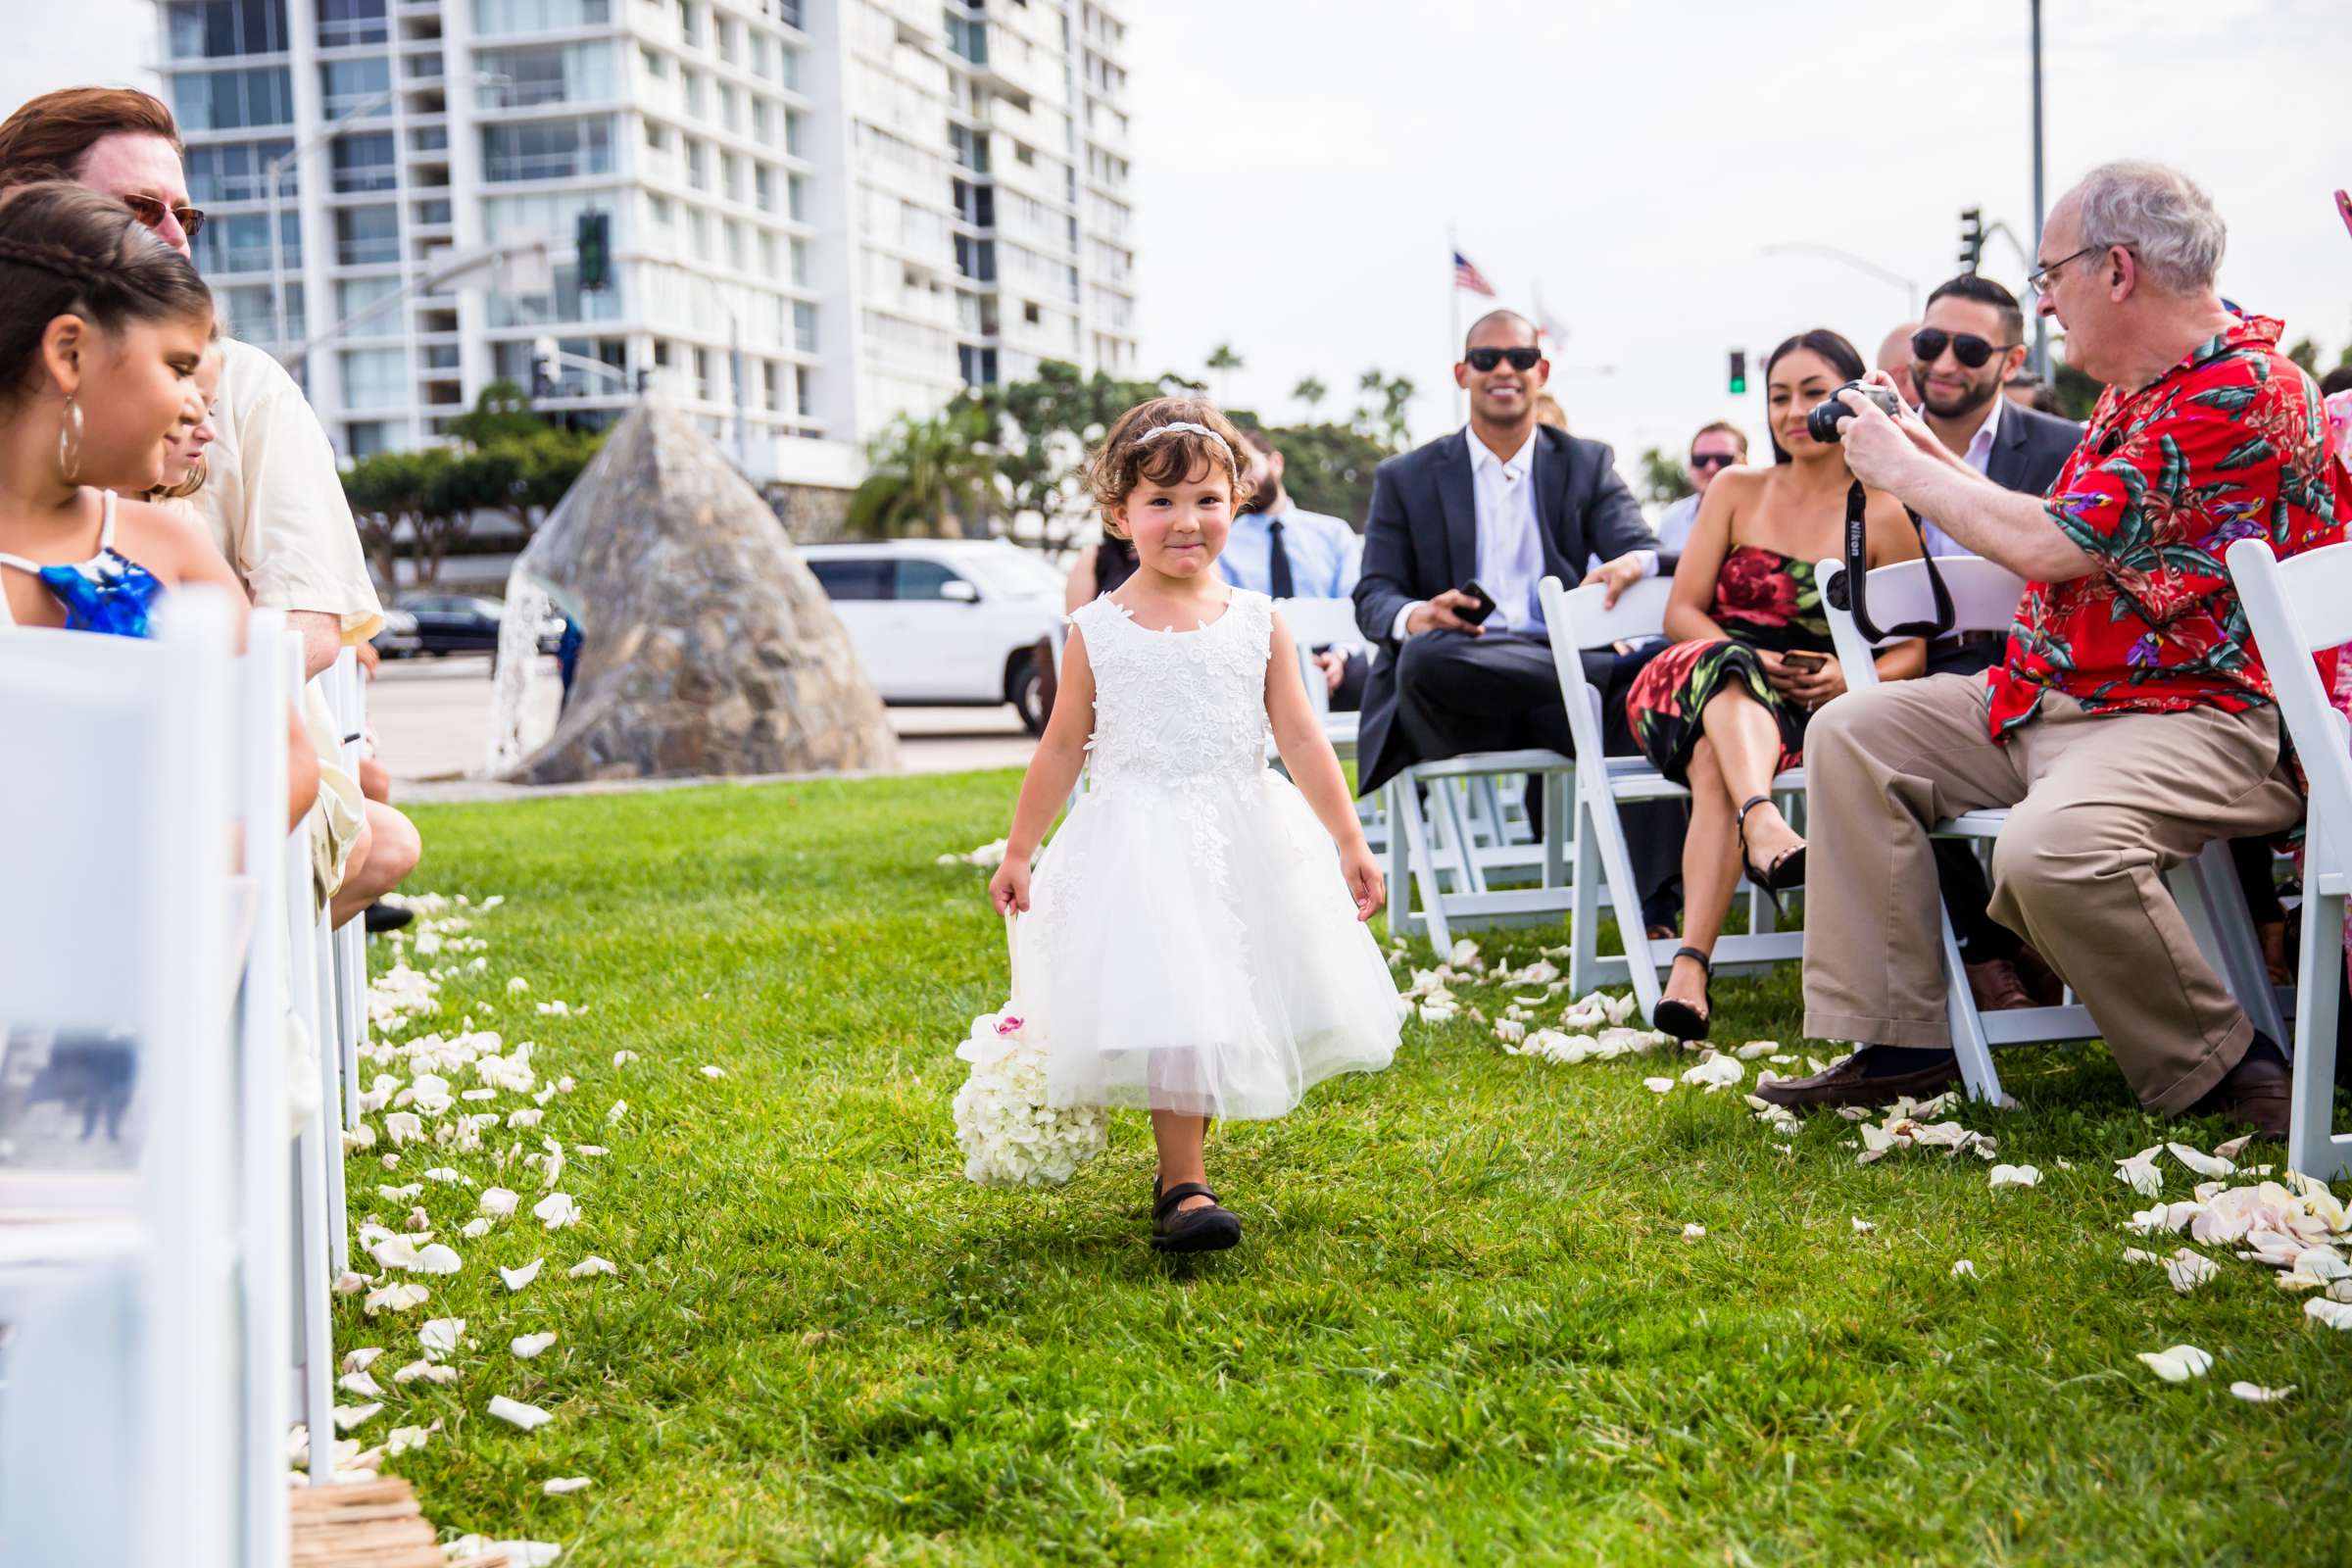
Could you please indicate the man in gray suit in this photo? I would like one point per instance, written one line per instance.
(1503, 502)
(1967, 349)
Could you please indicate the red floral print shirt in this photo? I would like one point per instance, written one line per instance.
(2232, 443)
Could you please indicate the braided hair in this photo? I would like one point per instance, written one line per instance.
(67, 249)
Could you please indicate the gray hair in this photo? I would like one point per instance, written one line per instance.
(2161, 216)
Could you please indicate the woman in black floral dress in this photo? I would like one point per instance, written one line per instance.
(1725, 708)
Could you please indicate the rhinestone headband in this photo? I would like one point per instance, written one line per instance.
(1191, 428)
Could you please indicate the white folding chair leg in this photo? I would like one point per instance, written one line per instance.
(1583, 917)
(2224, 932)
(1458, 805)
(1969, 1042)
(2312, 1144)
(1625, 893)
(1419, 851)
(1559, 816)
(1403, 921)
(314, 1289)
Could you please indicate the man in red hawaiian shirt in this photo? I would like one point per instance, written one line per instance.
(2132, 721)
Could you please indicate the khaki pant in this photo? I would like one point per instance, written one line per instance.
(2100, 809)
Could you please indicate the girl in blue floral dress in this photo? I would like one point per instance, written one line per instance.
(1725, 708)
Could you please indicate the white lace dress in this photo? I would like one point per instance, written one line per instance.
(1191, 945)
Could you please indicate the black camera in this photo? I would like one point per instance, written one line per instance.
(1820, 422)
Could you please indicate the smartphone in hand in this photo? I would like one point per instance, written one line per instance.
(1803, 660)
(1477, 613)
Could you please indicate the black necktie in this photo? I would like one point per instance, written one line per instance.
(1278, 561)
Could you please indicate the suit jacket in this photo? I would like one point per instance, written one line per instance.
(2029, 448)
(1422, 539)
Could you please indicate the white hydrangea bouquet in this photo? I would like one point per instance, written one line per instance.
(1009, 1135)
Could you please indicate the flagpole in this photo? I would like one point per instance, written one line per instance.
(1454, 299)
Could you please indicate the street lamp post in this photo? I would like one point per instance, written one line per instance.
(2042, 322)
(1857, 262)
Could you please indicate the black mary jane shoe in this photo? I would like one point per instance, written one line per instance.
(1678, 1018)
(1211, 1229)
(1783, 874)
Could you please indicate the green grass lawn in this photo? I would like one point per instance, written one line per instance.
(1464, 1325)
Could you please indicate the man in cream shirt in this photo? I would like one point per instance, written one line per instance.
(272, 494)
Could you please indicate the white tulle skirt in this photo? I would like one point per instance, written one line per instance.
(1192, 948)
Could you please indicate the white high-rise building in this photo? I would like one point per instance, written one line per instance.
(822, 214)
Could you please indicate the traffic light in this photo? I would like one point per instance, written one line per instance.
(1738, 377)
(591, 240)
(1972, 237)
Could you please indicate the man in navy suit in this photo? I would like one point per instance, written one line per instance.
(1504, 502)
(1967, 349)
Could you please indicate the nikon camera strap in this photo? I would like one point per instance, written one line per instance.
(1846, 593)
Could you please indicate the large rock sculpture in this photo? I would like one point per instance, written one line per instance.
(709, 648)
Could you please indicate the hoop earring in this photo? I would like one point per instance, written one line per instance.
(69, 441)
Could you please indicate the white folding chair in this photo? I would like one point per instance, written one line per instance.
(347, 700)
(1984, 596)
(321, 1228)
(1331, 623)
(2296, 607)
(1579, 619)
(119, 1406)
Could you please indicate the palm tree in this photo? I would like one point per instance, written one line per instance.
(929, 477)
(1223, 360)
(1310, 391)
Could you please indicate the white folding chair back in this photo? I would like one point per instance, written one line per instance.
(1984, 596)
(348, 690)
(318, 1214)
(2296, 607)
(1579, 619)
(117, 1391)
(1331, 623)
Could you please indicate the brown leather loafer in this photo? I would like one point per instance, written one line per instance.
(2255, 1094)
(1843, 1084)
(1996, 986)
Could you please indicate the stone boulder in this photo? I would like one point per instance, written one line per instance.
(707, 647)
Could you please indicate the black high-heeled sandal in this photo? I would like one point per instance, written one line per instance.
(1678, 1018)
(1785, 875)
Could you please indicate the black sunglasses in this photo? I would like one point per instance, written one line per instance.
(147, 210)
(1485, 360)
(1928, 343)
(1712, 460)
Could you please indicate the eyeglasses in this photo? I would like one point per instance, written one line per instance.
(2042, 279)
(1712, 460)
(1522, 357)
(147, 210)
(1928, 343)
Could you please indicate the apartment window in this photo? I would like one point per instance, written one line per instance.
(209, 29)
(763, 126)
(971, 147)
(355, 294)
(734, 232)
(237, 172)
(1030, 313)
(787, 12)
(347, 23)
(375, 378)
(763, 54)
(969, 37)
(730, 176)
(1024, 155)
(366, 236)
(250, 312)
(771, 379)
(978, 365)
(555, 149)
(799, 262)
(365, 162)
(364, 438)
(698, 165)
(730, 108)
(240, 243)
(656, 65)
(345, 85)
(725, 29)
(226, 100)
(791, 132)
(689, 23)
(804, 327)
(796, 197)
(976, 259)
(564, 73)
(768, 254)
(538, 15)
(804, 390)
(691, 82)
(976, 204)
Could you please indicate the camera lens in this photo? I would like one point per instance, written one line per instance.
(1821, 421)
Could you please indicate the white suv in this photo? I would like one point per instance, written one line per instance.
(945, 622)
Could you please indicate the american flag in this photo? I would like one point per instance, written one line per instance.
(1470, 278)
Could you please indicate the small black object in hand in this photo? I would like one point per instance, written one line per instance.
(1821, 423)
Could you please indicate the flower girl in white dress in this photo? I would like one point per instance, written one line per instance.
(1194, 946)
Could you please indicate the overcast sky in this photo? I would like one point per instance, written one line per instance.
(1298, 164)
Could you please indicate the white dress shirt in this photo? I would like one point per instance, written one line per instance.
(1977, 455)
(1326, 556)
(1510, 540)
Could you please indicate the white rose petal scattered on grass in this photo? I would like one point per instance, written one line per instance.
(1757, 1048)
(400, 1194)
(2187, 1270)
(394, 1298)
(2015, 1176)
(2334, 1315)
(2232, 1148)
(438, 1258)
(1863, 1227)
(1658, 1086)
(519, 984)
(360, 1384)
(440, 1336)
(361, 1359)
(476, 1228)
(2178, 1364)
(714, 1073)
(402, 1127)
(2140, 1173)
(528, 1345)
(1695, 1232)
(620, 1108)
(348, 1416)
(499, 1202)
(1964, 1269)
(2256, 1394)
(562, 1485)
(622, 1058)
(516, 1278)
(426, 1371)
(557, 1210)
(528, 1417)
(1716, 1072)
(404, 1438)
(2201, 1162)
(590, 1265)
